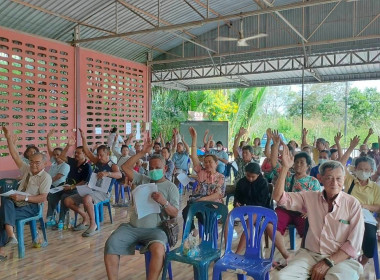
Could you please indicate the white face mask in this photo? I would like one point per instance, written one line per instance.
(362, 175)
(322, 161)
(218, 148)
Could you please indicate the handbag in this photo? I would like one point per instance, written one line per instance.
(171, 228)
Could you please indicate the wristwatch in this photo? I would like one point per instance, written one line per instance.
(166, 204)
(329, 262)
(26, 198)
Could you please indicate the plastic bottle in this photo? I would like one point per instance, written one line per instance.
(60, 225)
(67, 220)
(37, 242)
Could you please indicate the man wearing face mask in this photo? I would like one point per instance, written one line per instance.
(221, 156)
(146, 230)
(324, 156)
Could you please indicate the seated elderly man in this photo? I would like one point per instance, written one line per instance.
(336, 226)
(35, 181)
(145, 230)
(103, 167)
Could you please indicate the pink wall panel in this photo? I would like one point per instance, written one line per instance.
(113, 91)
(36, 91)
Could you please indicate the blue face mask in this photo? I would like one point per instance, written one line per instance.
(156, 174)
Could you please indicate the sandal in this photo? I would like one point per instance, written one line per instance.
(80, 227)
(90, 232)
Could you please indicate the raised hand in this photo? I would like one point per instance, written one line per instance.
(51, 132)
(82, 134)
(71, 141)
(304, 132)
(242, 131)
(148, 145)
(338, 137)
(207, 131)
(354, 141)
(287, 158)
(193, 132)
(276, 137)
(210, 137)
(6, 132)
(370, 131)
(269, 133)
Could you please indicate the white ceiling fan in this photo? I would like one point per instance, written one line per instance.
(241, 41)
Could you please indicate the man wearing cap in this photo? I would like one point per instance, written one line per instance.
(221, 156)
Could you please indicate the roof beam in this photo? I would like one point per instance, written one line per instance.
(372, 21)
(286, 21)
(181, 26)
(78, 22)
(323, 21)
(276, 48)
(130, 6)
(238, 71)
(195, 10)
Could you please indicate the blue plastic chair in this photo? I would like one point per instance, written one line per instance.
(99, 212)
(292, 236)
(251, 263)
(147, 257)
(211, 212)
(120, 191)
(33, 229)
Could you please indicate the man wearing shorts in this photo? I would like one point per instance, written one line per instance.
(146, 230)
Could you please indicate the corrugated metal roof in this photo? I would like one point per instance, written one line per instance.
(96, 18)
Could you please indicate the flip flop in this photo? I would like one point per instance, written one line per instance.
(3, 258)
(80, 227)
(90, 232)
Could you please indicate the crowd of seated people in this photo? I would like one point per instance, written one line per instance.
(342, 198)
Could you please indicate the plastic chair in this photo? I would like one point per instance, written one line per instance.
(33, 229)
(376, 261)
(120, 191)
(147, 257)
(7, 184)
(99, 212)
(292, 236)
(251, 263)
(210, 212)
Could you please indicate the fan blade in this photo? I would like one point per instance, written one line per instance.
(225, 39)
(260, 35)
(242, 43)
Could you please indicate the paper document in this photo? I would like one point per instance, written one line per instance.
(84, 190)
(234, 165)
(98, 130)
(138, 131)
(368, 217)
(184, 179)
(8, 193)
(95, 184)
(101, 185)
(128, 128)
(56, 189)
(144, 203)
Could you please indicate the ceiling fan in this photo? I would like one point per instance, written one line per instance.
(241, 41)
